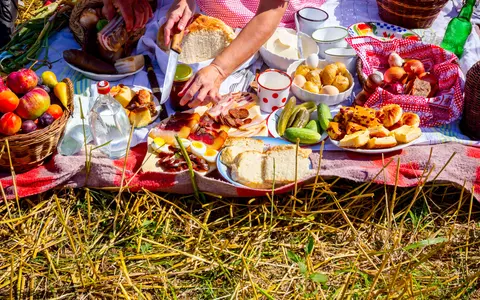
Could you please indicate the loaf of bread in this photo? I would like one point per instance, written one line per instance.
(205, 38)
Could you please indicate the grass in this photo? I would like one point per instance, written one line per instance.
(334, 240)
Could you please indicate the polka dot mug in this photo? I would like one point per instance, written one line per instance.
(273, 89)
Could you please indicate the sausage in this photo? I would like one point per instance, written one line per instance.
(87, 62)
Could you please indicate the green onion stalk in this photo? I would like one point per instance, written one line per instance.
(31, 37)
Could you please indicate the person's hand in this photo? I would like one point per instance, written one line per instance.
(135, 12)
(179, 13)
(207, 83)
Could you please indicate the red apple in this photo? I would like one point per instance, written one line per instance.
(23, 81)
(10, 124)
(8, 101)
(33, 104)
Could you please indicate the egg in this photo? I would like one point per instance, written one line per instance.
(185, 142)
(157, 143)
(329, 90)
(198, 148)
(164, 149)
(299, 80)
(210, 155)
(312, 60)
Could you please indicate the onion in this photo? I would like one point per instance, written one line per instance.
(414, 67)
(395, 74)
(394, 60)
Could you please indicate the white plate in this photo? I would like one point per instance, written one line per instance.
(272, 120)
(99, 77)
(376, 151)
(137, 88)
(224, 170)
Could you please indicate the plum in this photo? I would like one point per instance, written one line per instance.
(45, 88)
(28, 126)
(45, 120)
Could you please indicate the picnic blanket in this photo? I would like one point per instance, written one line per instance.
(443, 141)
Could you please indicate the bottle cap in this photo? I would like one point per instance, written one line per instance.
(183, 73)
(103, 87)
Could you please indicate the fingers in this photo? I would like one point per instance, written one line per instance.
(187, 14)
(189, 91)
(172, 19)
(108, 9)
(128, 14)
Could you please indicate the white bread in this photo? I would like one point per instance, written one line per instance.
(279, 165)
(382, 142)
(406, 134)
(205, 39)
(248, 169)
(233, 146)
(379, 131)
(355, 140)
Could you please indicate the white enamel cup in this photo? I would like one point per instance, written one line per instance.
(330, 37)
(310, 19)
(273, 89)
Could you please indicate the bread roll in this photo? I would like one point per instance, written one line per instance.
(392, 114)
(411, 119)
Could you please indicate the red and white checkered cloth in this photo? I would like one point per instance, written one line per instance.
(237, 13)
(445, 107)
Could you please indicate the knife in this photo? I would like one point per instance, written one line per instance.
(175, 50)
(152, 78)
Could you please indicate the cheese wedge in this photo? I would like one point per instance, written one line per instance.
(382, 143)
(406, 134)
(355, 140)
(379, 131)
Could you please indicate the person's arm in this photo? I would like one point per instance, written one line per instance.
(253, 36)
(207, 81)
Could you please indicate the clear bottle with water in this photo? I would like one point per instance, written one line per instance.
(109, 123)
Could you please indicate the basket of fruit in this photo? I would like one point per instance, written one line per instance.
(33, 117)
(421, 78)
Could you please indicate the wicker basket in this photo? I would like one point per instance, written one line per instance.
(29, 150)
(470, 124)
(74, 24)
(410, 13)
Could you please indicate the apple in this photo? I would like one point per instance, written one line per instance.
(10, 124)
(23, 81)
(33, 104)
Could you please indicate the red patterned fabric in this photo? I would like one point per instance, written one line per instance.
(415, 162)
(237, 13)
(445, 108)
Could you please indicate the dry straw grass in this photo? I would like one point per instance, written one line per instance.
(333, 240)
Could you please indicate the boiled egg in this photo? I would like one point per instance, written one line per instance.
(198, 148)
(157, 143)
(185, 142)
(210, 155)
(312, 61)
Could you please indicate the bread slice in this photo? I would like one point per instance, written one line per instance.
(248, 169)
(406, 134)
(355, 140)
(379, 131)
(279, 164)
(236, 145)
(382, 142)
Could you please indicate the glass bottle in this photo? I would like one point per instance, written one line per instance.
(458, 30)
(182, 74)
(109, 123)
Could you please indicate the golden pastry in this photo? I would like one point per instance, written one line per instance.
(392, 114)
(411, 119)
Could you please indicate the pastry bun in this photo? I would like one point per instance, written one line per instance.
(411, 119)
(392, 114)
